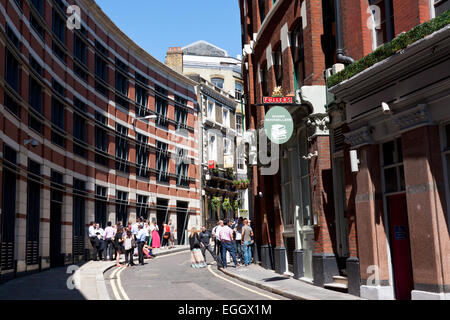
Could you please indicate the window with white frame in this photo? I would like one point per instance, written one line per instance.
(227, 147)
(238, 123)
(218, 82)
(212, 147)
(383, 21)
(226, 117)
(211, 111)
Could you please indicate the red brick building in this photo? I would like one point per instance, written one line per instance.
(394, 117)
(284, 45)
(380, 225)
(74, 142)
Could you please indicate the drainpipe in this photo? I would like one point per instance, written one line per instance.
(339, 51)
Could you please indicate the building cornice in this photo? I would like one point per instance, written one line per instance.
(419, 54)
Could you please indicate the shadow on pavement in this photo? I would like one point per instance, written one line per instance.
(53, 284)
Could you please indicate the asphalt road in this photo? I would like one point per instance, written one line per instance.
(171, 277)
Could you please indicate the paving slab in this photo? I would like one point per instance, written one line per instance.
(284, 285)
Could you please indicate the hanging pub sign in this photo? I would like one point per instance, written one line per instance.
(211, 164)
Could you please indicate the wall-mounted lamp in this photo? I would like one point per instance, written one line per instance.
(316, 220)
(260, 194)
(311, 155)
(34, 143)
(151, 117)
(386, 108)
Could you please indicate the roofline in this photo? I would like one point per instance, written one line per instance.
(109, 25)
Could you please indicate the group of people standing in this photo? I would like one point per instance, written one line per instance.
(232, 236)
(135, 239)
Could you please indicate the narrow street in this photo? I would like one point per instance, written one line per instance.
(171, 277)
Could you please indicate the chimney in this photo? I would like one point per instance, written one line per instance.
(174, 59)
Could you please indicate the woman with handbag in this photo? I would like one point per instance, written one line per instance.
(118, 245)
(166, 235)
(197, 259)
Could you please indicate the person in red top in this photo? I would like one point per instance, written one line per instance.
(166, 235)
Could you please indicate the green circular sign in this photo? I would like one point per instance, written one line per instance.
(279, 125)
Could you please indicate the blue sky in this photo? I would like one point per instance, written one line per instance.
(156, 25)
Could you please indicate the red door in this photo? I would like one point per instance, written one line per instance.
(400, 247)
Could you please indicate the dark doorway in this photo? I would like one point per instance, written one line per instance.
(55, 235)
(8, 216)
(162, 214)
(182, 215)
(57, 189)
(400, 246)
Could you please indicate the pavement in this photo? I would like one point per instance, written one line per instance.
(283, 285)
(75, 282)
(168, 277)
(171, 277)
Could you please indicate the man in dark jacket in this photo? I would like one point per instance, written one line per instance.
(205, 244)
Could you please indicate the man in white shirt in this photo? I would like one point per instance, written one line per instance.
(100, 233)
(93, 238)
(216, 235)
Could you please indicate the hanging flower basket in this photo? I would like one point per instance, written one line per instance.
(241, 184)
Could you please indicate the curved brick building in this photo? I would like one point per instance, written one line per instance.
(74, 145)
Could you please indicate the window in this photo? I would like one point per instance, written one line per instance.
(238, 123)
(79, 133)
(58, 26)
(262, 10)
(218, 82)
(393, 171)
(36, 25)
(264, 79)
(440, 6)
(12, 36)
(80, 55)
(38, 5)
(121, 85)
(305, 176)
(122, 148)
(180, 112)
(227, 147)
(33, 212)
(101, 139)
(35, 101)
(59, 52)
(226, 117)
(142, 206)
(162, 162)
(101, 206)
(212, 148)
(141, 101)
(58, 87)
(101, 69)
(79, 212)
(298, 56)
(182, 168)
(57, 122)
(8, 217)
(240, 156)
(142, 155)
(278, 66)
(211, 111)
(79, 49)
(12, 105)
(122, 207)
(161, 106)
(238, 90)
(384, 32)
(36, 66)
(12, 71)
